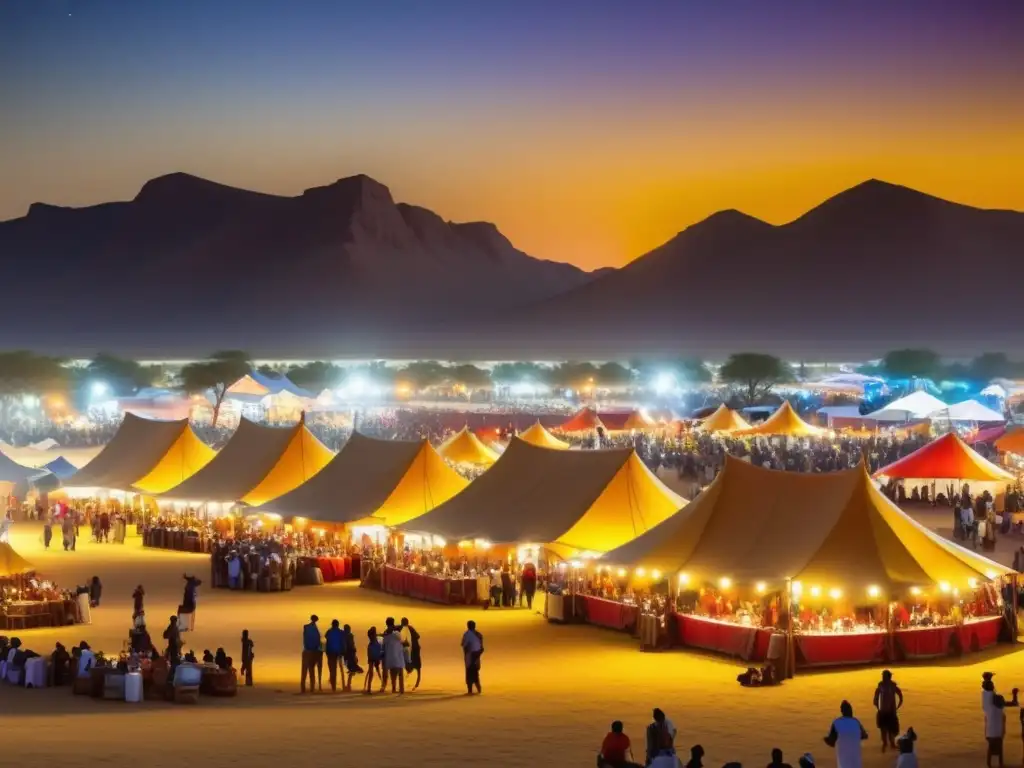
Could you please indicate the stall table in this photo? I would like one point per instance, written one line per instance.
(609, 613)
(731, 639)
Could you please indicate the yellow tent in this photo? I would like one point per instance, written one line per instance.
(186, 456)
(639, 420)
(570, 501)
(11, 563)
(466, 448)
(724, 420)
(834, 530)
(300, 460)
(537, 435)
(370, 481)
(784, 421)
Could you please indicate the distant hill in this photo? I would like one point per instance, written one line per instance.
(189, 264)
(875, 267)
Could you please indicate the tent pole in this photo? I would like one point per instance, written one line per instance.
(1013, 619)
(790, 642)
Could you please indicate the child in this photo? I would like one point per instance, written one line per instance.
(374, 654)
(905, 745)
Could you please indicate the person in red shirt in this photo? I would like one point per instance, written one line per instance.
(616, 751)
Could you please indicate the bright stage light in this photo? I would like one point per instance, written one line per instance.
(664, 383)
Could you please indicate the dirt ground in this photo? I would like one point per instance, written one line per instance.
(549, 691)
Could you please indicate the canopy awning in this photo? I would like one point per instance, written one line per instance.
(724, 419)
(946, 458)
(786, 422)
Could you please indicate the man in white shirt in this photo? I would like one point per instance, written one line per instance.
(86, 661)
(472, 648)
(845, 736)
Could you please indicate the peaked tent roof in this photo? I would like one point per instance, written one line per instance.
(575, 500)
(186, 456)
(132, 453)
(249, 456)
(986, 435)
(637, 419)
(968, 410)
(393, 480)
(1012, 441)
(584, 420)
(11, 563)
(466, 448)
(13, 472)
(302, 458)
(785, 421)
(540, 437)
(946, 458)
(61, 467)
(834, 529)
(724, 420)
(916, 405)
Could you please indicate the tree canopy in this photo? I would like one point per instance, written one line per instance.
(912, 364)
(216, 374)
(755, 373)
(316, 376)
(26, 373)
(123, 376)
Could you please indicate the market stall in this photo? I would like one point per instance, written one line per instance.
(28, 601)
(808, 570)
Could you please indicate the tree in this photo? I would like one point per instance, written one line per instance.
(23, 373)
(756, 373)
(218, 373)
(912, 364)
(316, 376)
(613, 375)
(423, 374)
(573, 375)
(515, 373)
(993, 365)
(120, 375)
(469, 376)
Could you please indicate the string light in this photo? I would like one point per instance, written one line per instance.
(972, 583)
(944, 586)
(622, 572)
(684, 578)
(655, 574)
(797, 589)
(641, 572)
(815, 591)
(915, 590)
(990, 573)
(874, 591)
(725, 582)
(577, 564)
(835, 593)
(760, 587)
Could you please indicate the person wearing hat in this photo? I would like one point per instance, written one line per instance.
(806, 760)
(311, 644)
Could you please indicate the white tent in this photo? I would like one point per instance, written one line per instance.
(968, 410)
(916, 405)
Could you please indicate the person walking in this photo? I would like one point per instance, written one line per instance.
(47, 532)
(334, 647)
(414, 658)
(351, 657)
(888, 700)
(472, 650)
(247, 656)
(529, 583)
(310, 653)
(845, 737)
(374, 653)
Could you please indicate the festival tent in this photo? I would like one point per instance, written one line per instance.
(987, 435)
(785, 421)
(383, 482)
(916, 405)
(1012, 442)
(61, 468)
(249, 456)
(145, 454)
(638, 420)
(834, 529)
(585, 420)
(968, 410)
(569, 501)
(11, 563)
(946, 458)
(724, 419)
(13, 472)
(464, 447)
(537, 435)
(302, 458)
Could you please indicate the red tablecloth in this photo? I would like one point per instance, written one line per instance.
(925, 642)
(978, 635)
(418, 585)
(749, 643)
(854, 648)
(608, 613)
(333, 568)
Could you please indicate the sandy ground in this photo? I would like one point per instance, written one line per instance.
(549, 691)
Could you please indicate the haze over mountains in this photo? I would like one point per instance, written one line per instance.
(190, 265)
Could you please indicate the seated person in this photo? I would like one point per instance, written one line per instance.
(86, 659)
(616, 751)
(60, 661)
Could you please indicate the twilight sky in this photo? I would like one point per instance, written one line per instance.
(589, 130)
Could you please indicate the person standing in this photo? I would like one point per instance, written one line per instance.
(411, 640)
(888, 700)
(529, 583)
(247, 657)
(845, 737)
(472, 650)
(310, 653)
(47, 532)
(351, 657)
(394, 657)
(334, 647)
(373, 658)
(661, 735)
(173, 637)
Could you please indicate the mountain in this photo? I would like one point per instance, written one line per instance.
(875, 267)
(190, 264)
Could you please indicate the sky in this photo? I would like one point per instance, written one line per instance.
(589, 132)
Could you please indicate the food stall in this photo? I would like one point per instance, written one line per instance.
(28, 601)
(810, 571)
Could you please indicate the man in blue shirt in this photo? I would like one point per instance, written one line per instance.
(310, 653)
(334, 646)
